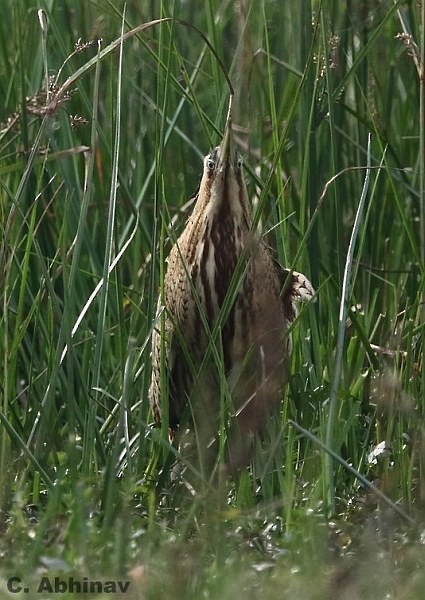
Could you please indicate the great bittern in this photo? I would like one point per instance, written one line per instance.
(254, 334)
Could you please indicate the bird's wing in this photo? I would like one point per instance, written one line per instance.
(295, 290)
(300, 288)
(168, 361)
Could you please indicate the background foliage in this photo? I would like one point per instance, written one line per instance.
(98, 176)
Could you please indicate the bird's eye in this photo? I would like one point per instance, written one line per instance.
(210, 163)
(239, 162)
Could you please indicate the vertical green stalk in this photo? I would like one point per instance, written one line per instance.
(89, 446)
(422, 132)
(307, 110)
(343, 311)
(71, 299)
(162, 100)
(311, 176)
(44, 26)
(20, 43)
(422, 172)
(273, 111)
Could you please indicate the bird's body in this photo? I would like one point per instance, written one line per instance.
(254, 339)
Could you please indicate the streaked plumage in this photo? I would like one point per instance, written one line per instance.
(254, 337)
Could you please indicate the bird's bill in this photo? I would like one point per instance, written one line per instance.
(226, 145)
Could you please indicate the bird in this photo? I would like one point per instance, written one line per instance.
(222, 277)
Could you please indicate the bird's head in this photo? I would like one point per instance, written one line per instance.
(222, 186)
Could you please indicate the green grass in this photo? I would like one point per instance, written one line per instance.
(85, 207)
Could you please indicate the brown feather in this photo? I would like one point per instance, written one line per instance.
(255, 343)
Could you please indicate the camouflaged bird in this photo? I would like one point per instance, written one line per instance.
(217, 240)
